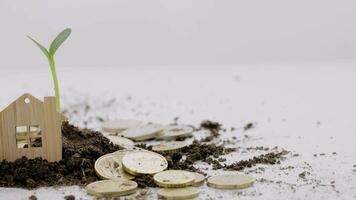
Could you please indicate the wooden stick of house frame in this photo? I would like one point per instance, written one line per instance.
(31, 128)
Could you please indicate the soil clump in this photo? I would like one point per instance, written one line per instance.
(81, 148)
(213, 127)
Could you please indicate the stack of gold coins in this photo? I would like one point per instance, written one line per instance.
(111, 188)
(231, 181)
(177, 184)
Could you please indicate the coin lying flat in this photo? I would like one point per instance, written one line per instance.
(171, 132)
(109, 167)
(111, 188)
(121, 141)
(144, 132)
(178, 193)
(118, 126)
(174, 178)
(231, 181)
(169, 146)
(199, 179)
(144, 162)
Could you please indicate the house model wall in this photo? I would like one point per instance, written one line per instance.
(31, 128)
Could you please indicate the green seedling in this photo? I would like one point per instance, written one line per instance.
(49, 53)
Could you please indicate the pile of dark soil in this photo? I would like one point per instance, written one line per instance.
(80, 150)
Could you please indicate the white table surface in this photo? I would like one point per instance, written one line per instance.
(306, 109)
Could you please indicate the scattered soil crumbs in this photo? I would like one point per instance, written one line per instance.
(80, 150)
(269, 158)
(213, 127)
(185, 158)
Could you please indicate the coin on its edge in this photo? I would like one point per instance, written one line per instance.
(231, 181)
(109, 167)
(174, 178)
(178, 193)
(111, 188)
(118, 126)
(144, 162)
(169, 146)
(171, 132)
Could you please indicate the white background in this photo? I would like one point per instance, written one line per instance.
(185, 32)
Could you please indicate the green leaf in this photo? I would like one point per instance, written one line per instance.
(43, 49)
(57, 42)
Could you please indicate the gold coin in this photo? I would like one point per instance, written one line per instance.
(231, 181)
(144, 132)
(169, 146)
(118, 126)
(111, 188)
(121, 141)
(144, 162)
(178, 193)
(171, 132)
(199, 179)
(109, 167)
(174, 178)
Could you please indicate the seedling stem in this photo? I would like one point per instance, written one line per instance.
(55, 82)
(49, 53)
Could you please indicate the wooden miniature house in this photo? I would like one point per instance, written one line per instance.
(31, 128)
